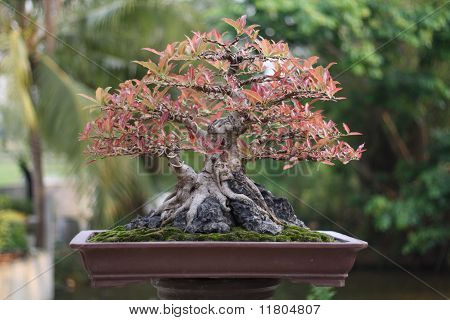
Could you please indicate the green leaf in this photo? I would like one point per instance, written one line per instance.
(150, 65)
(235, 24)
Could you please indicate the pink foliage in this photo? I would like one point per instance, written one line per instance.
(207, 76)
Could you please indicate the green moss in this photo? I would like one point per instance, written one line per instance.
(289, 233)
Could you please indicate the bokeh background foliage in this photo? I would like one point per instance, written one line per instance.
(392, 61)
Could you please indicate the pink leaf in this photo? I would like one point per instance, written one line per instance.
(159, 53)
(252, 95)
(346, 128)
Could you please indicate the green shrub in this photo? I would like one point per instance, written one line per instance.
(22, 205)
(320, 293)
(13, 235)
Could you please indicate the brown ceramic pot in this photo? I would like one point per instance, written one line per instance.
(217, 270)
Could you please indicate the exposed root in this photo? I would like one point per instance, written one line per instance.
(170, 215)
(223, 172)
(206, 187)
(166, 205)
(225, 188)
(186, 180)
(243, 198)
(170, 196)
(214, 190)
(192, 190)
(196, 202)
(261, 200)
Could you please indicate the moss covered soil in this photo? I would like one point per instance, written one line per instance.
(289, 233)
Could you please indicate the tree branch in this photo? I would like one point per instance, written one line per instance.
(181, 169)
(214, 89)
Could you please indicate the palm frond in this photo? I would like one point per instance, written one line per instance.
(115, 183)
(60, 109)
(107, 11)
(138, 25)
(15, 67)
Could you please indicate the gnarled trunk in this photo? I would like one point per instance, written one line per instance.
(221, 195)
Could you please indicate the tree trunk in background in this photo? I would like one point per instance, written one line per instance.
(38, 188)
(27, 174)
(35, 177)
(50, 10)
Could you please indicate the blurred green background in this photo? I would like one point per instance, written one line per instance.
(392, 61)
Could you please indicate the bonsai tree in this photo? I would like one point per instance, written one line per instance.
(233, 99)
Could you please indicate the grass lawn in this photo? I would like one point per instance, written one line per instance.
(10, 173)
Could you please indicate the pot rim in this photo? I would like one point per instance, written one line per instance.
(343, 241)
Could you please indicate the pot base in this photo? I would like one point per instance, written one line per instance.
(215, 289)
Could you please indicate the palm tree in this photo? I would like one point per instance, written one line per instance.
(44, 76)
